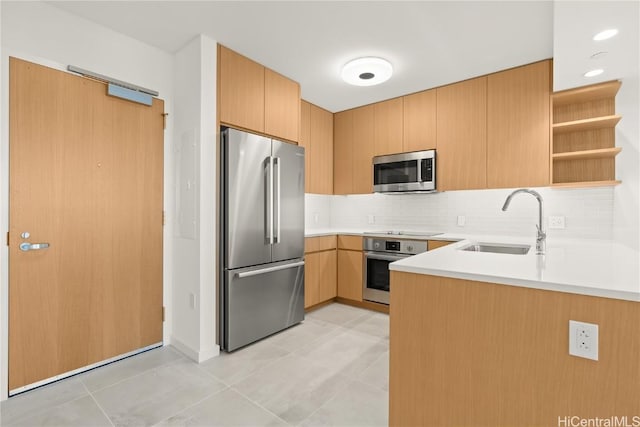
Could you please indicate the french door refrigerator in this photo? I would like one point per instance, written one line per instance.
(262, 247)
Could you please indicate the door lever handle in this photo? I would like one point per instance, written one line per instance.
(26, 246)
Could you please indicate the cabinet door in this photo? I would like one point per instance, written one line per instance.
(281, 106)
(319, 277)
(321, 144)
(518, 126)
(304, 141)
(419, 121)
(343, 155)
(363, 149)
(462, 135)
(350, 275)
(388, 127)
(241, 91)
(327, 286)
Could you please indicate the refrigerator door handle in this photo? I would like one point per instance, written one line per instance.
(269, 206)
(278, 164)
(269, 269)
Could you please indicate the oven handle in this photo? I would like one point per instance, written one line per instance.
(382, 257)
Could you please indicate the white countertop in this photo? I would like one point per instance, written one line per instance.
(585, 267)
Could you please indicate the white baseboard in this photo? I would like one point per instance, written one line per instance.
(198, 356)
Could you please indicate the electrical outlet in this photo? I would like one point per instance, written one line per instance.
(461, 220)
(583, 339)
(371, 219)
(556, 222)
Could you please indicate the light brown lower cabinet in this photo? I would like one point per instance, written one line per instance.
(320, 270)
(435, 244)
(350, 274)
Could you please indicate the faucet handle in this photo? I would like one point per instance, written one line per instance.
(541, 234)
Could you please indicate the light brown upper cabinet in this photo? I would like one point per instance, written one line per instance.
(281, 106)
(343, 153)
(305, 137)
(241, 88)
(518, 126)
(419, 125)
(387, 127)
(317, 138)
(461, 158)
(354, 150)
(256, 98)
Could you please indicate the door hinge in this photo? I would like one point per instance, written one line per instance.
(164, 120)
(163, 313)
(164, 218)
(7, 238)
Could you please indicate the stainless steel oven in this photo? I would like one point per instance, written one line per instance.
(379, 252)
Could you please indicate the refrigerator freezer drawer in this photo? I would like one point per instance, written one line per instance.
(261, 301)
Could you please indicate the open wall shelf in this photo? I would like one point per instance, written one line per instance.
(583, 149)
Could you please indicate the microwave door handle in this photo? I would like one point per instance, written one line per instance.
(419, 170)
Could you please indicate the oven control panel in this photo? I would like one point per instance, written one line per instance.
(410, 247)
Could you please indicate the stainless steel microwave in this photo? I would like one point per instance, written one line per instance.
(405, 172)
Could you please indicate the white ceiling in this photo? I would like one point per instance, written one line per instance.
(429, 43)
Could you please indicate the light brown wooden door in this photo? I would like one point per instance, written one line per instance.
(86, 176)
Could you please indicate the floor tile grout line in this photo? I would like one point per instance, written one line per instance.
(137, 374)
(98, 404)
(42, 411)
(193, 405)
(260, 406)
(342, 387)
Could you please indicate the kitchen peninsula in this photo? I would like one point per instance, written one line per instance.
(483, 338)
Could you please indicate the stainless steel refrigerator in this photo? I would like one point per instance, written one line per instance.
(262, 237)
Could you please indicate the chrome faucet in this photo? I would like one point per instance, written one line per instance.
(541, 237)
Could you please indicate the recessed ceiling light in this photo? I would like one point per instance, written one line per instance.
(606, 34)
(367, 71)
(594, 73)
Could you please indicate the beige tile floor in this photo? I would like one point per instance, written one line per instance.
(330, 370)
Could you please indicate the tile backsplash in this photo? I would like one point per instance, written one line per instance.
(588, 213)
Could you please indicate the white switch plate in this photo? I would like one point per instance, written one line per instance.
(316, 217)
(583, 339)
(556, 222)
(192, 300)
(371, 219)
(461, 220)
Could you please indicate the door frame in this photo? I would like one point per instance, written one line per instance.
(4, 216)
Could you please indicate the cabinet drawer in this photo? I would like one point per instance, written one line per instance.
(435, 244)
(353, 243)
(321, 243)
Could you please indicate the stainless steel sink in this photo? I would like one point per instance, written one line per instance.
(497, 248)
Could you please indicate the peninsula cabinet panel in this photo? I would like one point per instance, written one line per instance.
(241, 87)
(343, 155)
(462, 135)
(363, 149)
(321, 150)
(388, 127)
(304, 140)
(350, 274)
(458, 355)
(518, 124)
(282, 106)
(419, 124)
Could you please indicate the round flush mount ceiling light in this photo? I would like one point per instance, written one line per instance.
(367, 71)
(606, 34)
(594, 73)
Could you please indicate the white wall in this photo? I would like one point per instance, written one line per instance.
(44, 34)
(194, 298)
